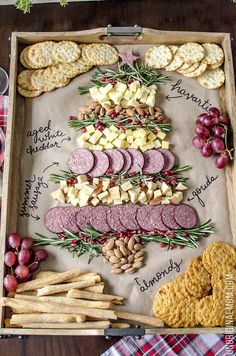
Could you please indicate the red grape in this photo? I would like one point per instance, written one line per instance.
(202, 131)
(217, 144)
(33, 266)
(207, 121)
(10, 258)
(25, 279)
(200, 118)
(24, 257)
(10, 283)
(224, 119)
(41, 254)
(198, 142)
(221, 161)
(214, 112)
(218, 131)
(27, 243)
(22, 271)
(14, 240)
(206, 150)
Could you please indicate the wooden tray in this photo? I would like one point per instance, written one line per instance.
(10, 197)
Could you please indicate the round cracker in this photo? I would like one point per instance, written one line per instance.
(216, 65)
(23, 60)
(213, 53)
(200, 70)
(100, 54)
(212, 79)
(40, 55)
(191, 52)
(24, 79)
(28, 93)
(190, 69)
(158, 57)
(41, 79)
(183, 67)
(173, 48)
(175, 64)
(66, 52)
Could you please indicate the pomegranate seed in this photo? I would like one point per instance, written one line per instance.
(109, 171)
(132, 174)
(75, 181)
(112, 184)
(128, 121)
(136, 122)
(129, 233)
(73, 242)
(70, 181)
(155, 131)
(152, 232)
(170, 173)
(123, 177)
(174, 177)
(104, 234)
(171, 235)
(168, 181)
(173, 184)
(185, 234)
(142, 126)
(115, 178)
(160, 232)
(114, 114)
(120, 124)
(72, 118)
(144, 232)
(162, 245)
(166, 174)
(172, 247)
(84, 129)
(122, 129)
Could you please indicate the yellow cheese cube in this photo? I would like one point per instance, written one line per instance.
(72, 192)
(150, 101)
(181, 186)
(89, 189)
(95, 137)
(142, 133)
(128, 132)
(132, 102)
(108, 145)
(117, 202)
(82, 178)
(127, 94)
(103, 195)
(169, 193)
(140, 141)
(119, 143)
(109, 201)
(174, 199)
(150, 145)
(112, 136)
(157, 144)
(157, 193)
(179, 196)
(95, 181)
(99, 147)
(83, 144)
(142, 197)
(103, 141)
(152, 137)
(161, 135)
(75, 202)
(123, 103)
(121, 87)
(165, 144)
(165, 188)
(105, 90)
(93, 90)
(66, 189)
(149, 194)
(130, 139)
(84, 137)
(126, 186)
(90, 129)
(92, 147)
(122, 136)
(138, 93)
(151, 185)
(133, 87)
(144, 148)
(95, 201)
(115, 96)
(63, 184)
(106, 131)
(113, 128)
(133, 196)
(165, 201)
(124, 196)
(133, 145)
(58, 195)
(114, 193)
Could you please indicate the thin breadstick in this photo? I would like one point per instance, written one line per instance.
(74, 293)
(85, 325)
(29, 292)
(21, 306)
(68, 301)
(46, 318)
(54, 279)
(120, 325)
(143, 319)
(58, 288)
(97, 288)
(81, 277)
(90, 318)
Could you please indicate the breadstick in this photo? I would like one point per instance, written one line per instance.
(58, 288)
(8, 324)
(39, 283)
(143, 319)
(68, 301)
(120, 325)
(46, 318)
(21, 306)
(74, 293)
(85, 325)
(81, 277)
(97, 288)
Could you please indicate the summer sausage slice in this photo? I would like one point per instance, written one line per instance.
(185, 216)
(143, 217)
(128, 216)
(116, 159)
(82, 216)
(127, 159)
(153, 161)
(137, 160)
(169, 159)
(81, 161)
(52, 220)
(167, 216)
(98, 219)
(68, 219)
(101, 164)
(156, 220)
(113, 218)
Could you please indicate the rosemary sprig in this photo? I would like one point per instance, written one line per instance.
(144, 74)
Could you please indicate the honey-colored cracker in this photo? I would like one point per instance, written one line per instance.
(200, 70)
(24, 79)
(158, 56)
(198, 273)
(100, 54)
(196, 290)
(186, 310)
(163, 305)
(191, 52)
(205, 311)
(28, 93)
(67, 52)
(213, 53)
(41, 55)
(212, 79)
(190, 69)
(219, 254)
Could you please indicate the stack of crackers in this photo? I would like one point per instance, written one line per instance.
(194, 60)
(199, 296)
(52, 65)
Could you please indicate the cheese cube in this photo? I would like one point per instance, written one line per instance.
(75, 202)
(128, 132)
(114, 193)
(161, 135)
(117, 202)
(152, 87)
(130, 139)
(72, 193)
(166, 201)
(165, 144)
(112, 136)
(132, 102)
(181, 186)
(109, 201)
(133, 145)
(174, 199)
(93, 90)
(124, 196)
(115, 96)
(102, 141)
(82, 178)
(133, 196)
(133, 87)
(95, 137)
(142, 133)
(165, 188)
(126, 186)
(150, 145)
(140, 141)
(119, 143)
(127, 94)
(89, 189)
(150, 101)
(169, 193)
(144, 148)
(99, 147)
(92, 147)
(157, 144)
(105, 90)
(123, 103)
(84, 197)
(108, 145)
(142, 197)
(149, 194)
(179, 196)
(95, 201)
(83, 144)
(58, 195)
(103, 195)
(120, 87)
(151, 185)
(90, 129)
(152, 137)
(113, 128)
(63, 184)
(95, 181)
(66, 189)
(122, 136)
(138, 93)
(84, 137)
(106, 131)
(157, 193)
(144, 95)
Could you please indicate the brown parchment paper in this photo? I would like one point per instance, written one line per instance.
(182, 106)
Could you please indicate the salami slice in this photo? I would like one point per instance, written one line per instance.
(98, 218)
(52, 220)
(143, 217)
(68, 219)
(82, 216)
(81, 161)
(116, 159)
(155, 218)
(167, 216)
(169, 159)
(128, 215)
(127, 159)
(101, 164)
(113, 218)
(137, 160)
(185, 216)
(153, 161)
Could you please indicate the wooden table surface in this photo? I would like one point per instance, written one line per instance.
(180, 15)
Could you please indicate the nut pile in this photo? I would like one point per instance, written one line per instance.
(126, 254)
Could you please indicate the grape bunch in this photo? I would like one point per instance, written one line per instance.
(22, 261)
(211, 136)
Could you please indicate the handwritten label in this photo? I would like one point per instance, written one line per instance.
(145, 285)
(196, 194)
(178, 88)
(45, 138)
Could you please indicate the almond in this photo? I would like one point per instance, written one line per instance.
(138, 247)
(130, 270)
(131, 243)
(118, 108)
(130, 112)
(116, 271)
(110, 244)
(126, 266)
(97, 109)
(124, 250)
(117, 253)
(139, 254)
(137, 265)
(140, 111)
(137, 239)
(119, 242)
(114, 259)
(139, 259)
(126, 240)
(110, 253)
(151, 110)
(116, 265)
(102, 111)
(131, 258)
(92, 106)
(107, 107)
(109, 112)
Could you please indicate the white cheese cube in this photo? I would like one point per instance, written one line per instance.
(103, 141)
(150, 101)
(72, 193)
(112, 136)
(93, 90)
(105, 184)
(126, 186)
(165, 144)
(161, 135)
(130, 139)
(122, 136)
(124, 196)
(120, 87)
(90, 129)
(157, 144)
(58, 195)
(95, 137)
(179, 196)
(138, 94)
(108, 145)
(142, 197)
(114, 193)
(165, 188)
(132, 102)
(133, 145)
(95, 181)
(84, 137)
(105, 90)
(103, 195)
(106, 131)
(66, 190)
(157, 193)
(63, 184)
(95, 201)
(89, 189)
(117, 202)
(75, 202)
(149, 194)
(151, 185)
(82, 178)
(113, 128)
(99, 147)
(169, 193)
(133, 87)
(133, 196)
(181, 186)
(83, 144)
(115, 96)
(119, 143)
(165, 201)
(127, 95)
